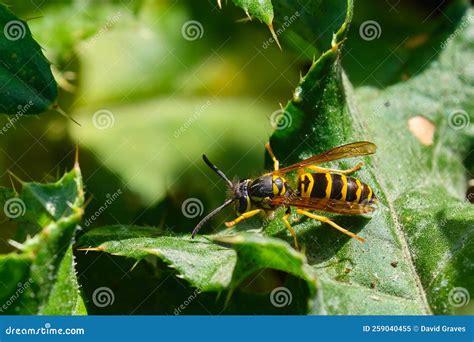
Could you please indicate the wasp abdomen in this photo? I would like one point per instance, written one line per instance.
(334, 186)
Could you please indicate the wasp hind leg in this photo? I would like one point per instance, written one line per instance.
(343, 172)
(276, 163)
(324, 219)
(289, 227)
(243, 217)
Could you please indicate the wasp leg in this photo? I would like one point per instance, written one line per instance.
(289, 227)
(344, 172)
(324, 219)
(276, 163)
(243, 217)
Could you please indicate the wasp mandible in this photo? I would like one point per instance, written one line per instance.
(317, 189)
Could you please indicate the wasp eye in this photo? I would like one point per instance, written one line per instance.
(242, 204)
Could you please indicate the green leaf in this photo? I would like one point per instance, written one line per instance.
(15, 275)
(262, 10)
(253, 251)
(420, 241)
(44, 280)
(210, 267)
(196, 260)
(308, 28)
(393, 56)
(28, 86)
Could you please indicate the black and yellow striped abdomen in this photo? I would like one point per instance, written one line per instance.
(334, 186)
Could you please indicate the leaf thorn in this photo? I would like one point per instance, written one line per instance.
(12, 175)
(58, 109)
(92, 249)
(16, 244)
(270, 26)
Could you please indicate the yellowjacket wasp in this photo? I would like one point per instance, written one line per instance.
(322, 189)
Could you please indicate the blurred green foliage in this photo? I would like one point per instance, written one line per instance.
(151, 99)
(130, 58)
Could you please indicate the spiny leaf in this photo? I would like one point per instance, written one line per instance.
(219, 266)
(27, 84)
(260, 9)
(416, 252)
(46, 259)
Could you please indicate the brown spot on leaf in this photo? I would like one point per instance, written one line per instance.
(422, 128)
(416, 41)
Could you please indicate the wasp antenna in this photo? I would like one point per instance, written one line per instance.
(216, 170)
(210, 215)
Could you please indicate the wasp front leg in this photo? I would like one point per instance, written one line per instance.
(342, 172)
(243, 217)
(276, 163)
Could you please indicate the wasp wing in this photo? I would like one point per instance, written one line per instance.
(356, 149)
(324, 204)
